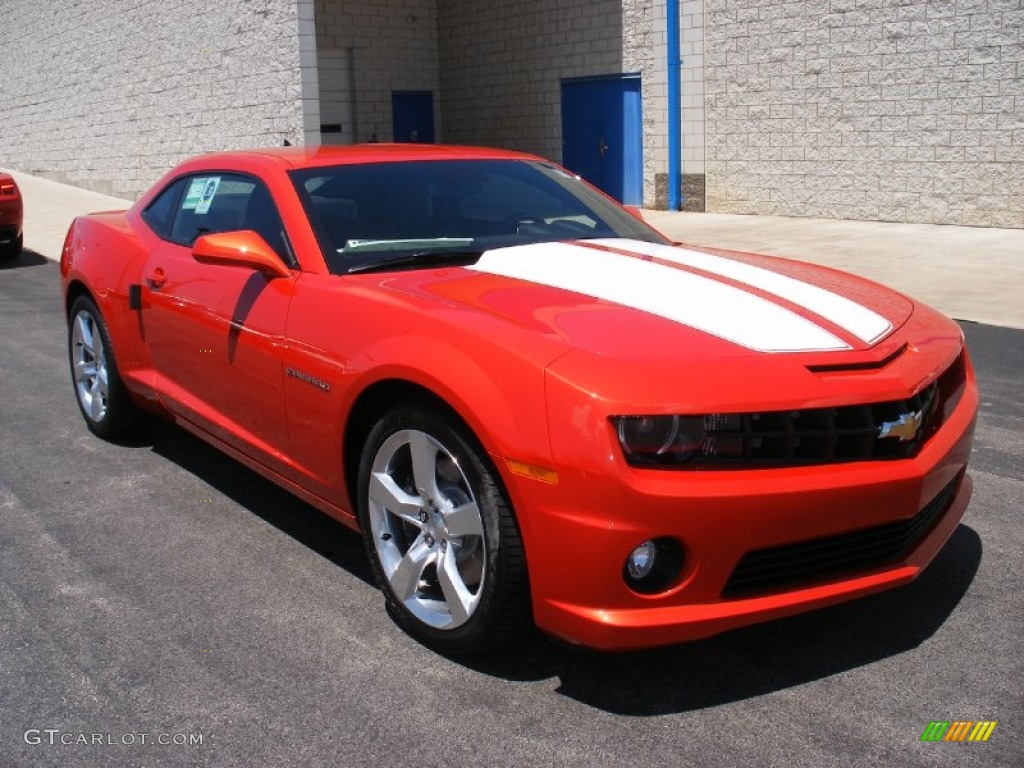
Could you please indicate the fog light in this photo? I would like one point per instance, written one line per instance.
(641, 561)
(654, 566)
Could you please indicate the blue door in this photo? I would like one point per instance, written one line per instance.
(602, 134)
(412, 116)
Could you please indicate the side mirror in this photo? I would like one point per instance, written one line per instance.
(244, 248)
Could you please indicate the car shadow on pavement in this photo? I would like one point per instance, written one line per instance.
(286, 512)
(26, 258)
(756, 660)
(737, 665)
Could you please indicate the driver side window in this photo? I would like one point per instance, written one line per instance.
(225, 202)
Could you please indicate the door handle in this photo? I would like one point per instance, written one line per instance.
(156, 278)
(602, 147)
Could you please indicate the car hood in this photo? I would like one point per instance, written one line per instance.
(631, 299)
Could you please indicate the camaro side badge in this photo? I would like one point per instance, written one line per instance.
(905, 427)
(321, 385)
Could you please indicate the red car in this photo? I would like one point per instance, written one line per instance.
(11, 217)
(532, 405)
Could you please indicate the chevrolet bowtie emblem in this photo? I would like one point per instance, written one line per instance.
(905, 427)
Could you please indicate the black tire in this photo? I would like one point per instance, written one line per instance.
(13, 249)
(501, 593)
(111, 413)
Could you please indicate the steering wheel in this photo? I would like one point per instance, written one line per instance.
(510, 224)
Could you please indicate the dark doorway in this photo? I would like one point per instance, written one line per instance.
(412, 116)
(602, 134)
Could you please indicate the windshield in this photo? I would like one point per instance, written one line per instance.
(372, 215)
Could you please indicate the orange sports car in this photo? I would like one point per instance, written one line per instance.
(532, 405)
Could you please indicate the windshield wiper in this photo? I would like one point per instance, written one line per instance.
(416, 259)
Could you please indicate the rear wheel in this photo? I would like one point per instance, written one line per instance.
(440, 533)
(99, 391)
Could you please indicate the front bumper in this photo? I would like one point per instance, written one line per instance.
(579, 532)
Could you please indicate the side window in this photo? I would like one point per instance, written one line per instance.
(213, 203)
(225, 202)
(160, 212)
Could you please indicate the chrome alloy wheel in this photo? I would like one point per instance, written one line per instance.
(427, 529)
(89, 362)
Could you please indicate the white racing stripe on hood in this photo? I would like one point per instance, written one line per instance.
(699, 302)
(866, 325)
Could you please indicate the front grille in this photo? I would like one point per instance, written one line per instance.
(828, 435)
(792, 565)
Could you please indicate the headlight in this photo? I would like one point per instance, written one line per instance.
(659, 439)
(666, 441)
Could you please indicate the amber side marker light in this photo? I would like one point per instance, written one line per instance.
(532, 471)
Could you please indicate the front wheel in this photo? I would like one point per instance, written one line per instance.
(440, 532)
(101, 396)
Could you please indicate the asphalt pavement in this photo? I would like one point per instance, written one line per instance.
(159, 591)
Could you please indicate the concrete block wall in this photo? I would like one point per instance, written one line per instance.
(643, 50)
(645, 33)
(691, 50)
(309, 72)
(895, 110)
(394, 46)
(108, 95)
(502, 64)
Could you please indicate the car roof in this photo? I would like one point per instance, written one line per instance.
(315, 157)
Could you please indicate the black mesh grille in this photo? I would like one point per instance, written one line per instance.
(819, 560)
(830, 435)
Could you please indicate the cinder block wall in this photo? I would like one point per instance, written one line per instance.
(502, 64)
(895, 110)
(108, 95)
(645, 38)
(643, 51)
(394, 48)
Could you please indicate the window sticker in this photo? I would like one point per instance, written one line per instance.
(195, 191)
(207, 196)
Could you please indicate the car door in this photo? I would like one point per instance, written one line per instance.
(216, 332)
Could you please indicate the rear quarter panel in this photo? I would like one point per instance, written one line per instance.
(102, 256)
